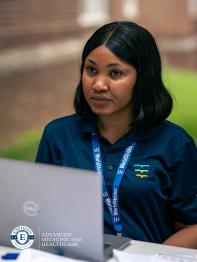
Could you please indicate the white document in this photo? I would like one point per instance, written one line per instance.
(32, 255)
(176, 258)
(122, 256)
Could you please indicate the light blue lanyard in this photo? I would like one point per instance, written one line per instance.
(112, 204)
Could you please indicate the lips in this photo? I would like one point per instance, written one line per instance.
(100, 98)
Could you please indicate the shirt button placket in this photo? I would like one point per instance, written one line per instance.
(109, 167)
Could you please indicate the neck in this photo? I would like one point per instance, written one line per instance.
(114, 127)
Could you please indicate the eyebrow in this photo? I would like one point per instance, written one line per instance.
(109, 65)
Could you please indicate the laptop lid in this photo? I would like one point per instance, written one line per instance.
(51, 208)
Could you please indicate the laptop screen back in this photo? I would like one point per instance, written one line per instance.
(61, 206)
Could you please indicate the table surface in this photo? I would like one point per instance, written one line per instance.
(139, 247)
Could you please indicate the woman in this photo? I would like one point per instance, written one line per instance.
(148, 164)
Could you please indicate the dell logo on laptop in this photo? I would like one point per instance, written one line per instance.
(30, 208)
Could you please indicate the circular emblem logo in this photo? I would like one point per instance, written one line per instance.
(22, 237)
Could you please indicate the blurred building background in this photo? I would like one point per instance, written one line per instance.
(41, 42)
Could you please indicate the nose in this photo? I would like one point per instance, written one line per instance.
(100, 84)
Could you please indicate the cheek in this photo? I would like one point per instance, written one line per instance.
(125, 94)
(86, 83)
(130, 86)
(125, 88)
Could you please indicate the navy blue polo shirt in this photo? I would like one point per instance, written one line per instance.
(160, 183)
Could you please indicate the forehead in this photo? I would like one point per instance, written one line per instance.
(103, 55)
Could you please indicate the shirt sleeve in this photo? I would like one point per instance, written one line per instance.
(183, 197)
(44, 154)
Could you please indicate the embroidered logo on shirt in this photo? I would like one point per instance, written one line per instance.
(141, 171)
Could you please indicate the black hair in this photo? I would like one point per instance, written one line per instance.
(136, 46)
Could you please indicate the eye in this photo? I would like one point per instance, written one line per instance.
(91, 70)
(114, 74)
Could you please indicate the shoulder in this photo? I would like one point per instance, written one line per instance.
(63, 121)
(63, 124)
(174, 130)
(173, 135)
(172, 143)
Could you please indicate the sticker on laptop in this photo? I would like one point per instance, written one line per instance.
(22, 237)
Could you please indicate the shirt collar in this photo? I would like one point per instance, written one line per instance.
(88, 125)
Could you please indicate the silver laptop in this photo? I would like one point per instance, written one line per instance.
(55, 209)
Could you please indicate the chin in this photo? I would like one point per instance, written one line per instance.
(102, 112)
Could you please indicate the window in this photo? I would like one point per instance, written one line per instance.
(131, 8)
(192, 9)
(93, 12)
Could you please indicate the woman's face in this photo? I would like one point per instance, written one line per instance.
(108, 83)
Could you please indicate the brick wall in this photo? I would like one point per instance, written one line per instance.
(166, 18)
(30, 99)
(116, 10)
(174, 29)
(37, 75)
(28, 22)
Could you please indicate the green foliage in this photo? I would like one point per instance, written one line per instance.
(24, 148)
(183, 87)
